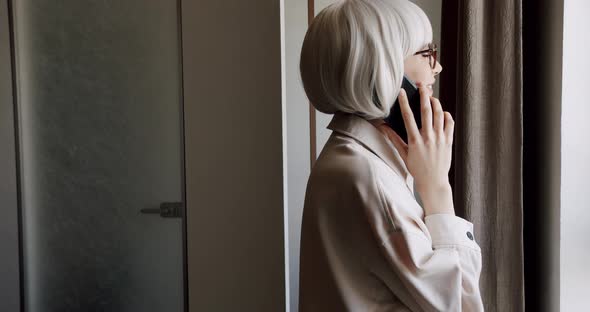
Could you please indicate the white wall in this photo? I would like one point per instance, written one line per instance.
(297, 139)
(575, 164)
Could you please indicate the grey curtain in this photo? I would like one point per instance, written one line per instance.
(481, 45)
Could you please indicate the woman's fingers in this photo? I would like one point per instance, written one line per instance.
(425, 110)
(449, 127)
(437, 116)
(408, 116)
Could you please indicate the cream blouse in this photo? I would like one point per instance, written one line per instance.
(365, 243)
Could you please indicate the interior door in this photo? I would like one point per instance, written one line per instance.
(100, 132)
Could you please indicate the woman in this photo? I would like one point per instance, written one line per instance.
(367, 244)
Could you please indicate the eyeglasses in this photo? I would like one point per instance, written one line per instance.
(432, 48)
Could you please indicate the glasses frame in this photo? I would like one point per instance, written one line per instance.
(432, 52)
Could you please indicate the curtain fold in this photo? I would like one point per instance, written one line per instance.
(482, 87)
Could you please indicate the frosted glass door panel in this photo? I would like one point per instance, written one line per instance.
(100, 132)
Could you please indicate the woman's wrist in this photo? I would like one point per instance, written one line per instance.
(437, 199)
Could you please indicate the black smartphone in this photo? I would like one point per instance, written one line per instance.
(395, 119)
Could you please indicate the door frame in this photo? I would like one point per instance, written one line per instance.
(10, 237)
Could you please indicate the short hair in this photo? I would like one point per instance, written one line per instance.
(355, 49)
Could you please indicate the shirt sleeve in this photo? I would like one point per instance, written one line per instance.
(436, 258)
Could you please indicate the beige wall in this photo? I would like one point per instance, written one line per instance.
(234, 155)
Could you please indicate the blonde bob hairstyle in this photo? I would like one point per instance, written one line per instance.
(355, 47)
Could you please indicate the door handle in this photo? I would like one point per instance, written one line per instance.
(166, 210)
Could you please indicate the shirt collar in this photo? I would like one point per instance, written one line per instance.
(369, 136)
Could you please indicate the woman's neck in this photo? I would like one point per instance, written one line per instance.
(376, 122)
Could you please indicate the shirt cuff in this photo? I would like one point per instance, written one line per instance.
(448, 230)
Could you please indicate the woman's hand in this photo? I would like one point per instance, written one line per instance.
(427, 154)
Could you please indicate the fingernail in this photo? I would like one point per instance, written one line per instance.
(402, 92)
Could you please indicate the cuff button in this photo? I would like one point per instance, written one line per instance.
(470, 235)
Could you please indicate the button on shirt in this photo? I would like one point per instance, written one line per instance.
(366, 244)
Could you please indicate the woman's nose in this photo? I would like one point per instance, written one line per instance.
(438, 68)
